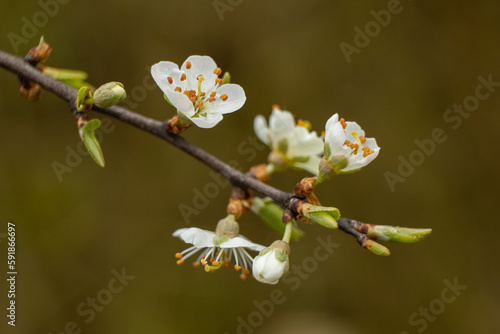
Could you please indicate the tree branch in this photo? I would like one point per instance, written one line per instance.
(18, 66)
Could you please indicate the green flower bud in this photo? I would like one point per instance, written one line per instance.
(109, 94)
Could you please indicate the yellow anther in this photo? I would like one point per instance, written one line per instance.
(178, 255)
(179, 262)
(218, 81)
(223, 97)
(362, 139)
(246, 271)
(170, 80)
(237, 267)
(199, 105)
(342, 121)
(276, 106)
(215, 263)
(243, 277)
(188, 65)
(367, 153)
(196, 264)
(183, 76)
(217, 71)
(178, 89)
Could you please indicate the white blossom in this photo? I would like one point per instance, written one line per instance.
(347, 140)
(292, 144)
(218, 248)
(197, 91)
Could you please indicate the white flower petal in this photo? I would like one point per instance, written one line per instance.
(261, 129)
(312, 165)
(267, 268)
(181, 102)
(208, 121)
(281, 122)
(336, 137)
(351, 129)
(203, 65)
(196, 236)
(235, 99)
(304, 143)
(162, 71)
(358, 161)
(241, 242)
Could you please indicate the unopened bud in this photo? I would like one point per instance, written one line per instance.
(109, 94)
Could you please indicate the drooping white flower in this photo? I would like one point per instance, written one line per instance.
(271, 263)
(218, 248)
(292, 145)
(346, 147)
(197, 91)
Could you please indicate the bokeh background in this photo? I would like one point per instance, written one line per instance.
(72, 234)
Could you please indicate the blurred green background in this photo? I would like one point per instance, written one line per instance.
(72, 234)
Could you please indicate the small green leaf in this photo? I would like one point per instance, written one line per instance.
(65, 74)
(83, 100)
(87, 133)
(401, 234)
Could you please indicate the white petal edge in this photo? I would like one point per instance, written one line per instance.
(242, 242)
(196, 236)
(261, 129)
(160, 73)
(235, 99)
(203, 65)
(208, 121)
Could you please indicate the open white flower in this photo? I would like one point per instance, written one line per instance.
(197, 91)
(271, 263)
(292, 145)
(346, 147)
(218, 248)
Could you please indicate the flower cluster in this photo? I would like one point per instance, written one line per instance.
(201, 98)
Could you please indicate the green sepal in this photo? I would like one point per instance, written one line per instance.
(166, 99)
(226, 78)
(87, 133)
